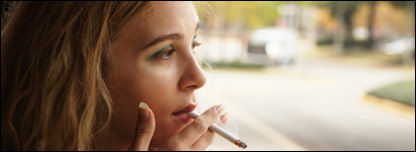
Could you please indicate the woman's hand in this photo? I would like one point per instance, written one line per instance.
(195, 136)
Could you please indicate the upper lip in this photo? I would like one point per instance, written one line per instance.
(189, 108)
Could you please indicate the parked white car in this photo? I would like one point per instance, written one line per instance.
(272, 46)
(398, 46)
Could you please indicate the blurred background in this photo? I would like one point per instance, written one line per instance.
(311, 75)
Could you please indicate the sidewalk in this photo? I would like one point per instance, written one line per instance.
(391, 106)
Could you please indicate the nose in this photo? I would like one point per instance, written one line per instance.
(192, 77)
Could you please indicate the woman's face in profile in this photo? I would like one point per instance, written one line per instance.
(153, 62)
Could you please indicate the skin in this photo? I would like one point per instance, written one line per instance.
(164, 76)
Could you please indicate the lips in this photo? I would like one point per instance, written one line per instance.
(182, 113)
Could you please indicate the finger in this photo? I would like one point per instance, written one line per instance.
(223, 120)
(199, 126)
(145, 128)
(204, 141)
(208, 138)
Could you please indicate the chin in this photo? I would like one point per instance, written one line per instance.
(161, 135)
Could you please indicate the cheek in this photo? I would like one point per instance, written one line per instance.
(159, 89)
(157, 86)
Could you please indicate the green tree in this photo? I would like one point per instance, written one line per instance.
(245, 15)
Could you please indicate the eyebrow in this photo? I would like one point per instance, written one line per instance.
(172, 36)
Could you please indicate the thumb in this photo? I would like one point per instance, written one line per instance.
(145, 128)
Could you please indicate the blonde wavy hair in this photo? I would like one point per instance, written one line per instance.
(54, 59)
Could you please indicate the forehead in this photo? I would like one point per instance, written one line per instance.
(172, 10)
(162, 18)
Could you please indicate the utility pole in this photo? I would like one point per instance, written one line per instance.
(339, 33)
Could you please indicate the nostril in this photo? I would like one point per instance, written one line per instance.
(193, 87)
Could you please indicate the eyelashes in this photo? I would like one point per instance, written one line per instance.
(166, 52)
(163, 53)
(195, 43)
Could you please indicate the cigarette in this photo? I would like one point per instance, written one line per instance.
(224, 133)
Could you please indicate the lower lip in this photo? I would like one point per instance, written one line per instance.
(183, 117)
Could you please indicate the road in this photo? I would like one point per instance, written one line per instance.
(316, 104)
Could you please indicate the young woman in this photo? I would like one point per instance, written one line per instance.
(73, 75)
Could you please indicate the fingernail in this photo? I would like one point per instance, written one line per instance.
(144, 111)
(225, 120)
(219, 108)
(220, 119)
(224, 115)
(216, 108)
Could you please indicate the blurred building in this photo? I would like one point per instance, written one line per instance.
(221, 47)
(300, 18)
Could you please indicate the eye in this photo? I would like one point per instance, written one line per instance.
(195, 42)
(164, 53)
